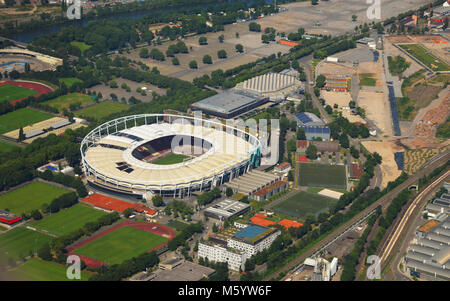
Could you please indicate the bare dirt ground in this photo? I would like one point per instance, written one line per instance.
(374, 68)
(388, 166)
(334, 16)
(333, 68)
(377, 110)
(340, 98)
(390, 50)
(352, 118)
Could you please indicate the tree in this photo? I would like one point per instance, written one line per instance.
(222, 54)
(193, 64)
(253, 26)
(157, 200)
(354, 18)
(239, 48)
(221, 38)
(21, 134)
(207, 59)
(143, 53)
(311, 152)
(229, 192)
(320, 81)
(36, 215)
(301, 134)
(314, 2)
(175, 61)
(128, 212)
(237, 35)
(44, 252)
(291, 145)
(202, 40)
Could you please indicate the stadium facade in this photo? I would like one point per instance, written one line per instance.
(122, 155)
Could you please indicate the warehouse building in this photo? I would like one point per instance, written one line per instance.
(270, 190)
(226, 209)
(275, 86)
(230, 103)
(308, 119)
(252, 181)
(431, 253)
(313, 132)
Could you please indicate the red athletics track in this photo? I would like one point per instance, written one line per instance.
(94, 263)
(39, 88)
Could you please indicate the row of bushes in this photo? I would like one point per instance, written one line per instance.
(69, 181)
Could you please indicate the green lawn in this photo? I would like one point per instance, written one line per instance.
(81, 45)
(121, 244)
(68, 220)
(170, 159)
(302, 203)
(37, 269)
(10, 92)
(21, 118)
(321, 175)
(69, 81)
(19, 243)
(30, 197)
(178, 225)
(66, 100)
(6, 147)
(426, 57)
(102, 110)
(366, 79)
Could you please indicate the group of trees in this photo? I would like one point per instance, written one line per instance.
(208, 196)
(185, 234)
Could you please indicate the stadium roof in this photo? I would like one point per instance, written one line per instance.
(227, 102)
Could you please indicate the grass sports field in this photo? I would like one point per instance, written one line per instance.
(426, 57)
(20, 243)
(69, 81)
(121, 244)
(37, 269)
(29, 197)
(322, 175)
(68, 220)
(21, 118)
(302, 203)
(170, 159)
(11, 92)
(66, 100)
(102, 110)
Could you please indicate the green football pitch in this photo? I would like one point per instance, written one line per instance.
(19, 243)
(322, 175)
(29, 197)
(37, 269)
(121, 244)
(302, 203)
(66, 100)
(10, 92)
(102, 110)
(21, 118)
(69, 220)
(170, 159)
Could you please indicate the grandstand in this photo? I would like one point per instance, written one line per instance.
(118, 157)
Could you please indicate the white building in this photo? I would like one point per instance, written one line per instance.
(238, 248)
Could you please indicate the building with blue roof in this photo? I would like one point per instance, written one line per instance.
(308, 119)
(313, 132)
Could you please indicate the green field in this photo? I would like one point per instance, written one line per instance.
(19, 243)
(81, 45)
(177, 225)
(102, 110)
(68, 220)
(302, 203)
(37, 269)
(69, 81)
(6, 147)
(66, 100)
(170, 159)
(10, 92)
(29, 197)
(21, 118)
(121, 244)
(426, 57)
(321, 175)
(366, 79)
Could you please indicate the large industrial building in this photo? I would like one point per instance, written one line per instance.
(230, 103)
(124, 158)
(275, 86)
(313, 132)
(308, 119)
(226, 209)
(252, 182)
(239, 247)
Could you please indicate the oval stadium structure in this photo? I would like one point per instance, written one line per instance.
(166, 154)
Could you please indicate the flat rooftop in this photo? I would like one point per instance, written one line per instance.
(228, 208)
(227, 102)
(187, 271)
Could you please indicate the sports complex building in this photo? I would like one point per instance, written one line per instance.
(166, 154)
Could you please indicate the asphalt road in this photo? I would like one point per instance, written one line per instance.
(384, 202)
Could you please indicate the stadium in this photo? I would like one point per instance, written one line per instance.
(166, 154)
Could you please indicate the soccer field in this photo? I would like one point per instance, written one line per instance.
(321, 175)
(69, 220)
(66, 100)
(39, 270)
(19, 243)
(302, 203)
(29, 197)
(21, 118)
(102, 110)
(121, 244)
(10, 92)
(170, 159)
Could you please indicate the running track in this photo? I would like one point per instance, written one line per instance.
(39, 88)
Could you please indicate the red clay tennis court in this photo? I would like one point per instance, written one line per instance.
(260, 220)
(39, 88)
(108, 203)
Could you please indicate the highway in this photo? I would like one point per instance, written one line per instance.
(383, 201)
